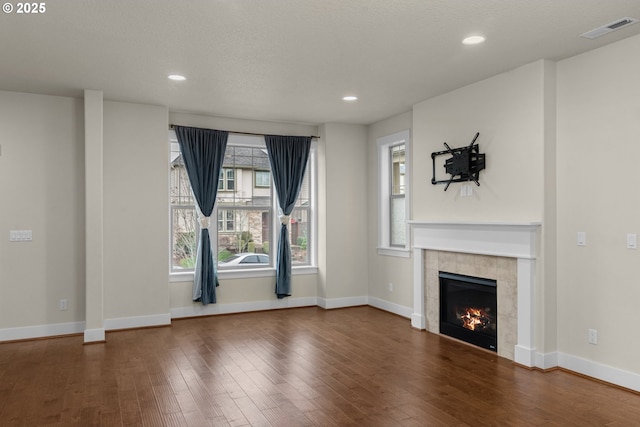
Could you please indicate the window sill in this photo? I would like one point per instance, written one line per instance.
(181, 277)
(395, 252)
(244, 274)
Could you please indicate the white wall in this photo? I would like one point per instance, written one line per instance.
(41, 187)
(386, 269)
(598, 153)
(507, 110)
(42, 173)
(136, 219)
(343, 223)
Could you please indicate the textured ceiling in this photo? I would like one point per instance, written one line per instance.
(289, 60)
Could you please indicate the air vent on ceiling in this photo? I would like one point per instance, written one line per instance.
(606, 29)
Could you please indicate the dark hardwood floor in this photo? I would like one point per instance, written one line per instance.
(299, 367)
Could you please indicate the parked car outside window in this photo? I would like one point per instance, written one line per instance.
(246, 258)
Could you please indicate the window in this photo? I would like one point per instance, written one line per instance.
(246, 212)
(263, 178)
(226, 220)
(247, 229)
(300, 226)
(394, 194)
(227, 180)
(184, 219)
(397, 235)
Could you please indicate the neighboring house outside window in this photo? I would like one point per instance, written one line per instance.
(247, 210)
(244, 211)
(393, 190)
(184, 218)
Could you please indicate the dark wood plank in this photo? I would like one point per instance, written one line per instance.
(298, 367)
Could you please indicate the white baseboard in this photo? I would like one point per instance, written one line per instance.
(198, 309)
(94, 335)
(329, 303)
(546, 360)
(137, 321)
(391, 307)
(524, 356)
(39, 331)
(619, 377)
(418, 321)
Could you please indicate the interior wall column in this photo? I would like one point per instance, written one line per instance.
(94, 212)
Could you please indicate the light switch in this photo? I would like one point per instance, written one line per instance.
(20, 236)
(632, 241)
(582, 238)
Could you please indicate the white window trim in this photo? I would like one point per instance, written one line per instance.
(249, 273)
(225, 180)
(384, 193)
(307, 269)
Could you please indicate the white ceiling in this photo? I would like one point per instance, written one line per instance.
(289, 60)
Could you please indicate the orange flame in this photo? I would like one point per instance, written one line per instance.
(473, 318)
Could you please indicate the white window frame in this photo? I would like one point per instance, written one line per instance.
(224, 179)
(224, 220)
(384, 193)
(310, 268)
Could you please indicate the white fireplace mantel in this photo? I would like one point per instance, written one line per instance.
(505, 239)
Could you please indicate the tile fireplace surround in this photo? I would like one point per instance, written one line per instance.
(506, 251)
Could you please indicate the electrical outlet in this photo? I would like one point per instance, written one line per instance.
(593, 336)
(390, 287)
(63, 304)
(466, 190)
(582, 238)
(632, 241)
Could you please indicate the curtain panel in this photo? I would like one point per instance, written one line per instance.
(203, 153)
(288, 156)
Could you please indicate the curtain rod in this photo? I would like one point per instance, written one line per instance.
(171, 126)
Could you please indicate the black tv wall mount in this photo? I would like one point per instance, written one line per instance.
(464, 164)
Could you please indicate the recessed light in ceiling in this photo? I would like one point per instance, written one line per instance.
(473, 40)
(177, 77)
(349, 98)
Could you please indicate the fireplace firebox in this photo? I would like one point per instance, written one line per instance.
(468, 309)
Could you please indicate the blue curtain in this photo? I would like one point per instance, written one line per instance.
(203, 152)
(288, 156)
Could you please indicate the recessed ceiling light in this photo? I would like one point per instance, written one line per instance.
(473, 40)
(177, 77)
(349, 98)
